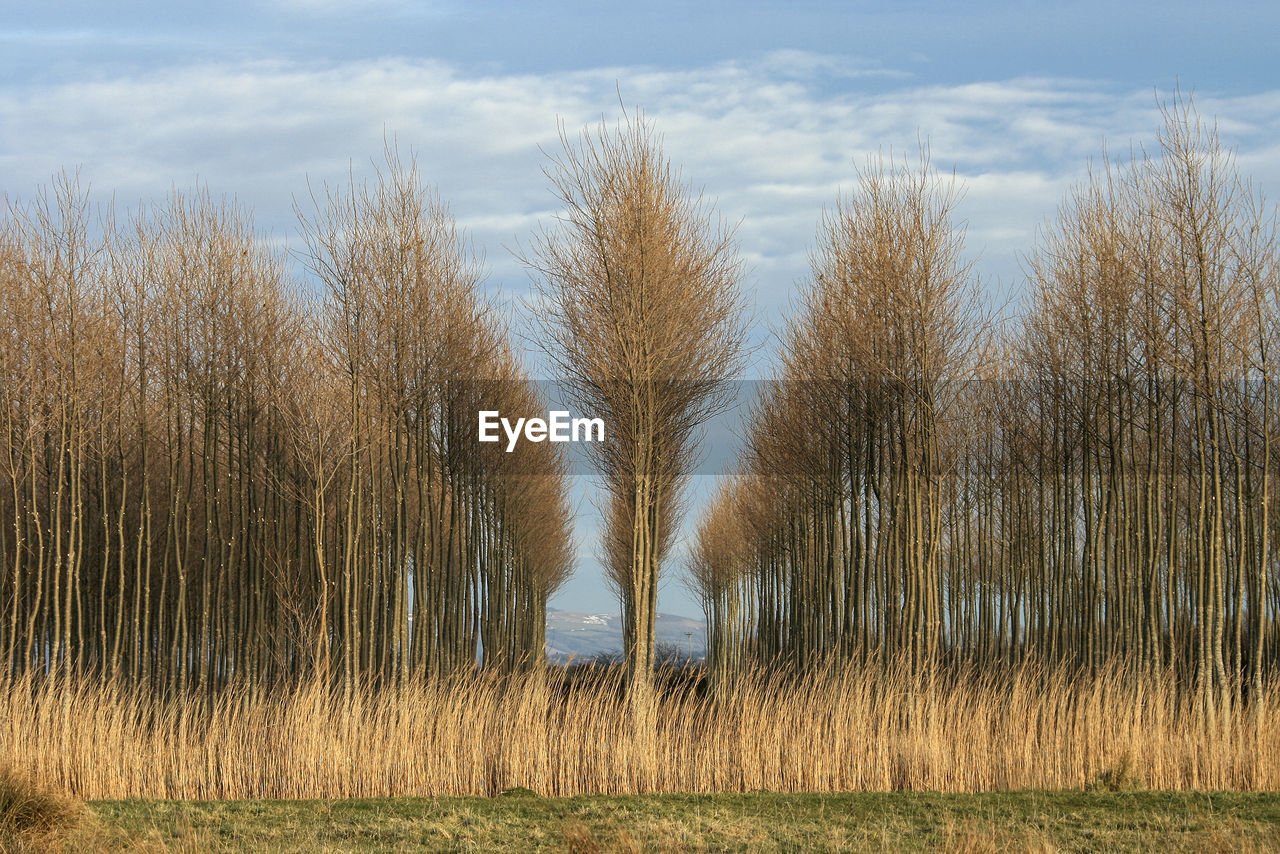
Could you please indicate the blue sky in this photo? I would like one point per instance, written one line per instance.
(768, 108)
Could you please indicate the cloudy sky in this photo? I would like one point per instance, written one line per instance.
(767, 108)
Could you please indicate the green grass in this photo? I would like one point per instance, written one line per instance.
(903, 821)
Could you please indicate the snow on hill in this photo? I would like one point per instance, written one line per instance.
(575, 635)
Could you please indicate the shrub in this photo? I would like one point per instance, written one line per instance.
(33, 817)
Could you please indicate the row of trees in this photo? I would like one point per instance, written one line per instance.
(1085, 483)
(206, 471)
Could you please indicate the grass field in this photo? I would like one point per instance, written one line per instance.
(899, 821)
(1031, 762)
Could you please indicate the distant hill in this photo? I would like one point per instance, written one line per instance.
(575, 635)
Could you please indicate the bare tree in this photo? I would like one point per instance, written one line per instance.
(643, 320)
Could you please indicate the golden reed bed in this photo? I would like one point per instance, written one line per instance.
(835, 730)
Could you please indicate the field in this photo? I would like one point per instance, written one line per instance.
(835, 759)
(903, 821)
(975, 580)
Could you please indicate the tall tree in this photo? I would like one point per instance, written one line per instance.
(643, 321)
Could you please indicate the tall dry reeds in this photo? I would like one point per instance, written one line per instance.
(832, 729)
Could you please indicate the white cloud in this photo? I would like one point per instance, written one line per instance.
(772, 140)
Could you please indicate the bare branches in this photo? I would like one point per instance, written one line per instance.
(1094, 487)
(642, 318)
(205, 475)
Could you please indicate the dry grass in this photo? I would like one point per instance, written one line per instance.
(846, 730)
(1154, 822)
(34, 817)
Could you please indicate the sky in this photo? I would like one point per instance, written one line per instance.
(769, 109)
